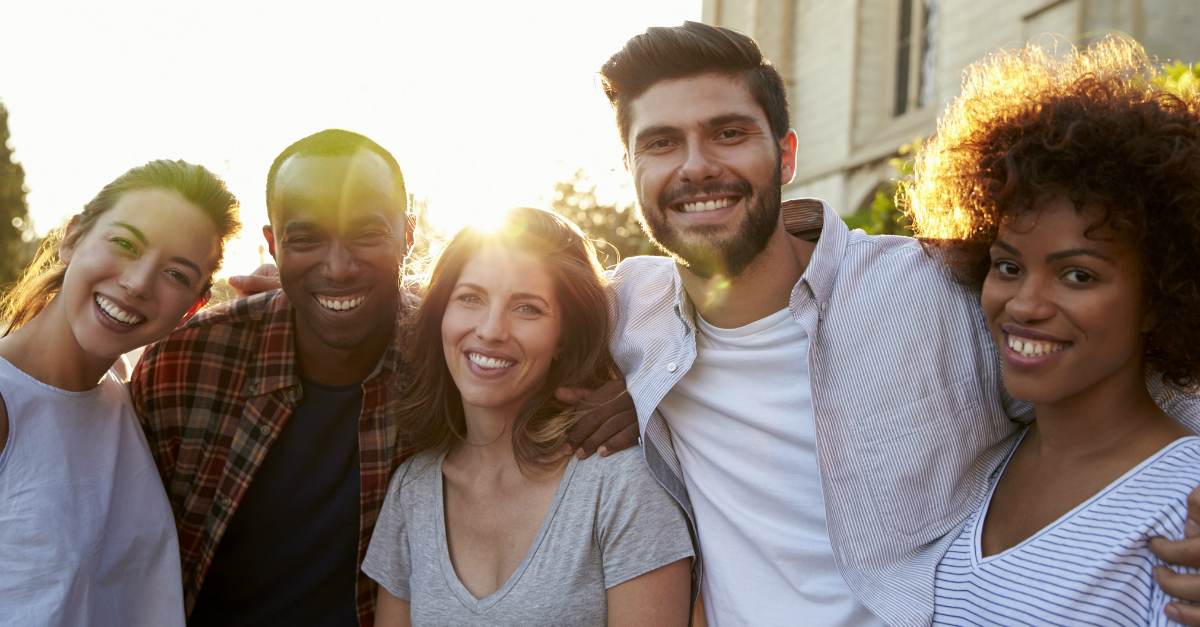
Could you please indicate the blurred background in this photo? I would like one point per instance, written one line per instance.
(486, 105)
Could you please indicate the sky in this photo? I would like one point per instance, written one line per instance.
(485, 104)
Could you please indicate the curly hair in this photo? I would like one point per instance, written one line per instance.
(1094, 125)
(431, 412)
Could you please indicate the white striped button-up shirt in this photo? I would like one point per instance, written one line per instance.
(911, 417)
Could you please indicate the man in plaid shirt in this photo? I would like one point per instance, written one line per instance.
(310, 373)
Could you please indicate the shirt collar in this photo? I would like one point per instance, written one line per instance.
(275, 367)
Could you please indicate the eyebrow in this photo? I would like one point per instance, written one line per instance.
(1064, 254)
(142, 238)
(720, 120)
(295, 225)
(517, 296)
(132, 229)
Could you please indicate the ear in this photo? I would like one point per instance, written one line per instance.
(269, 235)
(67, 248)
(201, 301)
(787, 156)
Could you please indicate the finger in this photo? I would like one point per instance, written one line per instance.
(606, 431)
(1179, 552)
(603, 410)
(624, 439)
(267, 269)
(249, 284)
(572, 396)
(1182, 587)
(1192, 529)
(1183, 614)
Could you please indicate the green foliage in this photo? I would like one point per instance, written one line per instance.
(613, 228)
(881, 217)
(17, 244)
(1178, 78)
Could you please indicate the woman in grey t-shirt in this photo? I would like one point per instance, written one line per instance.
(491, 524)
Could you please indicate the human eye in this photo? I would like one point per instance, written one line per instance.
(1078, 276)
(529, 310)
(180, 278)
(469, 299)
(124, 244)
(730, 133)
(1005, 268)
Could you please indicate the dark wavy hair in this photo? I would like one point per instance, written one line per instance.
(43, 276)
(431, 412)
(1096, 126)
(663, 53)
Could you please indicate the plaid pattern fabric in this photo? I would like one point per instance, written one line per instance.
(214, 395)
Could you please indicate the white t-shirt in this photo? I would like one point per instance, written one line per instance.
(741, 421)
(1092, 566)
(86, 532)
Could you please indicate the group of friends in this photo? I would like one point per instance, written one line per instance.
(992, 423)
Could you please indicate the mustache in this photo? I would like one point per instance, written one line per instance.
(688, 190)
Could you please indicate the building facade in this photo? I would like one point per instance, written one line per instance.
(868, 76)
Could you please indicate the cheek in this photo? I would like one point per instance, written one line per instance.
(993, 298)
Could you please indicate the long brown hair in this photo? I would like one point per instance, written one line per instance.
(43, 277)
(431, 414)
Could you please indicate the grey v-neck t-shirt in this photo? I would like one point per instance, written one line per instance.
(610, 522)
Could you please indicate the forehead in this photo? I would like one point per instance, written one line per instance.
(692, 101)
(506, 269)
(167, 221)
(320, 188)
(1059, 223)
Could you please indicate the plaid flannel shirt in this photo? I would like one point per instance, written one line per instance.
(214, 395)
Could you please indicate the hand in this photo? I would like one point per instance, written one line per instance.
(1184, 552)
(612, 426)
(264, 279)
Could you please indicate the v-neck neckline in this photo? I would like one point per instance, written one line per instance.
(476, 605)
(977, 542)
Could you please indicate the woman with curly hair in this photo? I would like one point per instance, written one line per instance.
(1066, 189)
(490, 524)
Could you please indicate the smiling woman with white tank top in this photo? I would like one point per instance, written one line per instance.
(87, 536)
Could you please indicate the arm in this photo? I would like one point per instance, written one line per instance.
(391, 611)
(612, 426)
(657, 598)
(264, 279)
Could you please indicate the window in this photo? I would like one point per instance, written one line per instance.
(916, 47)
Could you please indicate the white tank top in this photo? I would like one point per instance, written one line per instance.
(86, 532)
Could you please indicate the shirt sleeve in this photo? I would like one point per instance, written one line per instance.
(639, 527)
(389, 560)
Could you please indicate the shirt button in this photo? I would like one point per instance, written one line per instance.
(671, 367)
(226, 501)
(265, 430)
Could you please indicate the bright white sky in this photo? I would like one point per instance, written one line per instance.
(485, 104)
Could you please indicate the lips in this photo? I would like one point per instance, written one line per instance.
(709, 205)
(1027, 349)
(117, 314)
(489, 363)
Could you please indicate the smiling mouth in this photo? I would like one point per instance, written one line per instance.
(490, 363)
(710, 205)
(342, 303)
(1028, 347)
(116, 314)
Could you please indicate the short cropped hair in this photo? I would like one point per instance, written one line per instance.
(663, 53)
(335, 142)
(1093, 125)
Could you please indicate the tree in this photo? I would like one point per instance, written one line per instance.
(881, 217)
(1178, 78)
(16, 229)
(613, 228)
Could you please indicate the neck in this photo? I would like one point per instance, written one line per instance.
(763, 288)
(46, 349)
(339, 366)
(1111, 414)
(488, 442)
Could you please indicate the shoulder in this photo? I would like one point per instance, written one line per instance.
(416, 473)
(620, 471)
(639, 273)
(1175, 468)
(233, 325)
(241, 310)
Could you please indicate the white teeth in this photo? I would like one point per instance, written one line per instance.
(1030, 347)
(341, 305)
(691, 207)
(116, 313)
(489, 362)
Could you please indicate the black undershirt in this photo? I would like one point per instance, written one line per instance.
(290, 553)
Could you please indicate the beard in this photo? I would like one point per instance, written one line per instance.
(704, 251)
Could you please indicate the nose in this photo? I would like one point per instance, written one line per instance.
(1030, 302)
(137, 278)
(493, 327)
(699, 164)
(340, 264)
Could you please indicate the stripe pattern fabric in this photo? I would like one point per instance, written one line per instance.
(1090, 567)
(911, 416)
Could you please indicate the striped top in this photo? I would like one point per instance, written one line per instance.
(910, 415)
(1092, 566)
